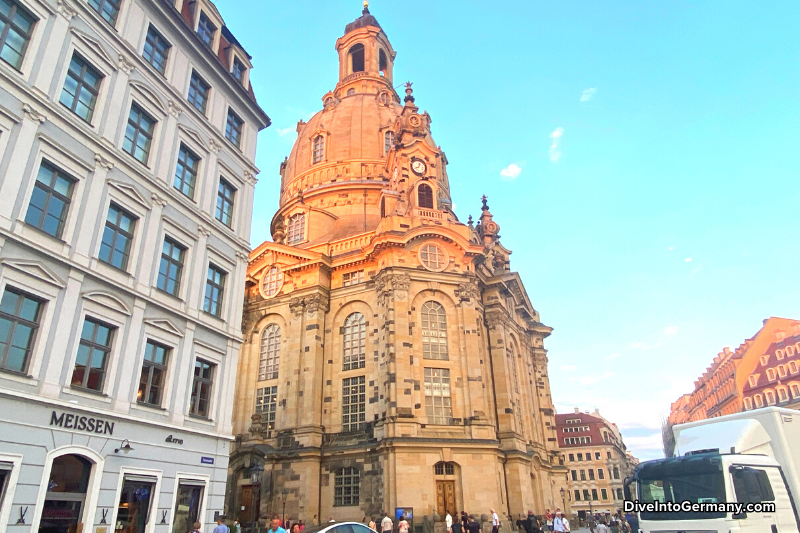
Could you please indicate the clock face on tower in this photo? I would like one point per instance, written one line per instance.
(419, 167)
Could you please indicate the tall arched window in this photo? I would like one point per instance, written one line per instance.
(383, 62)
(297, 228)
(319, 148)
(357, 57)
(434, 331)
(355, 341)
(514, 375)
(425, 196)
(270, 353)
(383, 207)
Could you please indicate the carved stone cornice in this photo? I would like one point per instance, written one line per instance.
(102, 162)
(388, 284)
(125, 65)
(251, 179)
(468, 290)
(312, 304)
(244, 257)
(203, 231)
(65, 10)
(496, 317)
(173, 109)
(214, 145)
(32, 114)
(158, 199)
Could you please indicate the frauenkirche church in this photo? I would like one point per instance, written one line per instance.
(391, 356)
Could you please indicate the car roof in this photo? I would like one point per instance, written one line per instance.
(328, 525)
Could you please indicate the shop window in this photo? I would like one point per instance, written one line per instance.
(5, 476)
(135, 503)
(187, 505)
(64, 502)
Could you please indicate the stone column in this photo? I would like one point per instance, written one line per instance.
(68, 312)
(197, 277)
(151, 246)
(89, 220)
(115, 113)
(53, 45)
(20, 150)
(184, 376)
(129, 354)
(163, 166)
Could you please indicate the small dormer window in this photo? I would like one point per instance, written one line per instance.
(205, 29)
(356, 54)
(383, 62)
(319, 148)
(238, 70)
(771, 374)
(753, 380)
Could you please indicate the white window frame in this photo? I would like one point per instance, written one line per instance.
(753, 380)
(769, 395)
(189, 477)
(159, 115)
(98, 62)
(771, 374)
(173, 230)
(156, 497)
(175, 344)
(216, 358)
(748, 404)
(34, 44)
(7, 499)
(794, 388)
(759, 400)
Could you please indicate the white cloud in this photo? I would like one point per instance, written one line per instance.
(688, 260)
(555, 153)
(613, 356)
(568, 368)
(671, 330)
(587, 94)
(511, 172)
(283, 132)
(671, 248)
(696, 270)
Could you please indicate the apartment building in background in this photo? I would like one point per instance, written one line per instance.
(127, 146)
(597, 459)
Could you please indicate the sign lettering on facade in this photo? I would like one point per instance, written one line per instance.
(207, 460)
(82, 423)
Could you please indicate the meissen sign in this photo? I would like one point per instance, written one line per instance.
(82, 423)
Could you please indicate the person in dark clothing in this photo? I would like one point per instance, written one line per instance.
(464, 519)
(531, 524)
(457, 527)
(473, 526)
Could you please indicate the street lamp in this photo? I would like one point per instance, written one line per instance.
(255, 477)
(564, 500)
(283, 517)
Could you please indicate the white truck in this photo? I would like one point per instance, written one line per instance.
(721, 465)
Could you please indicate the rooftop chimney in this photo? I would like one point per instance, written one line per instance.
(577, 411)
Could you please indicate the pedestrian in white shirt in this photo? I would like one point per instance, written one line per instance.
(448, 522)
(386, 524)
(495, 522)
(558, 523)
(602, 527)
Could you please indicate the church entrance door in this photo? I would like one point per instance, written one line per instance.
(446, 498)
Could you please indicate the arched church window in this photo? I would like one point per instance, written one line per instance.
(383, 207)
(270, 353)
(319, 148)
(296, 228)
(425, 196)
(383, 62)
(355, 341)
(514, 369)
(434, 331)
(388, 141)
(357, 57)
(272, 282)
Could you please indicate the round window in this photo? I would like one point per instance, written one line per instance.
(433, 257)
(272, 282)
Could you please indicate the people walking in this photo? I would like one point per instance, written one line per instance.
(402, 526)
(473, 526)
(386, 524)
(601, 526)
(558, 523)
(495, 522)
(196, 527)
(464, 519)
(237, 527)
(448, 522)
(457, 527)
(275, 526)
(372, 524)
(221, 527)
(548, 519)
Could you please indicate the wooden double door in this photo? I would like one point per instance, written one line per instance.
(446, 498)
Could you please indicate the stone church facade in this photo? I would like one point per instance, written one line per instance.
(391, 356)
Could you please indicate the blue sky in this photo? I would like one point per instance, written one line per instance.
(641, 158)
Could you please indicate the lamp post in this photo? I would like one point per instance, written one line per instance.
(284, 493)
(563, 500)
(255, 477)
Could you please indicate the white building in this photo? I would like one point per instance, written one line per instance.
(127, 145)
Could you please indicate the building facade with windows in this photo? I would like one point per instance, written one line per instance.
(598, 462)
(764, 370)
(126, 190)
(391, 356)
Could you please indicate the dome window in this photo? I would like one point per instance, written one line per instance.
(272, 282)
(383, 62)
(319, 148)
(356, 54)
(425, 196)
(297, 228)
(388, 141)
